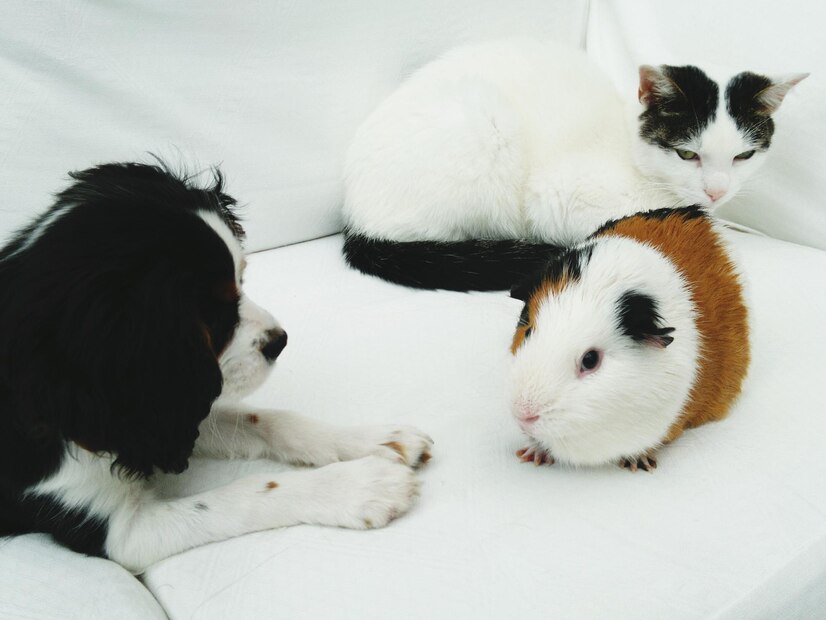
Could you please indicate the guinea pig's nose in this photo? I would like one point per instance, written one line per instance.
(276, 340)
(526, 412)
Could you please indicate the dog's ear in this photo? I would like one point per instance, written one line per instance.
(149, 375)
(135, 371)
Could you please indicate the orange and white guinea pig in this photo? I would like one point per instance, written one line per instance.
(627, 340)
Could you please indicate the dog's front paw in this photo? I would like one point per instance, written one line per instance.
(365, 493)
(401, 444)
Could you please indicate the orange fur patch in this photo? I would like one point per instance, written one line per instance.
(547, 288)
(272, 485)
(519, 336)
(697, 251)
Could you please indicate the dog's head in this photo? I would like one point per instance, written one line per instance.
(123, 317)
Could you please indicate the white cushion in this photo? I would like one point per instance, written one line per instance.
(39, 579)
(271, 90)
(786, 199)
(730, 523)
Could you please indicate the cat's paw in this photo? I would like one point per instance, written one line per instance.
(535, 453)
(400, 444)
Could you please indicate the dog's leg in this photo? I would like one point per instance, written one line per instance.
(239, 431)
(360, 494)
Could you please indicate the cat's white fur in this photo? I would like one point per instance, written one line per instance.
(522, 139)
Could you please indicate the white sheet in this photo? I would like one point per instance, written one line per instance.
(730, 525)
(41, 581)
(273, 91)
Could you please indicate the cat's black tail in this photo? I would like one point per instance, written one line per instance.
(473, 265)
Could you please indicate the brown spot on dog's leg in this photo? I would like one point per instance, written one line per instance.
(272, 485)
(252, 418)
(398, 448)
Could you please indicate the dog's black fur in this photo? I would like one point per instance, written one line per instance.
(114, 306)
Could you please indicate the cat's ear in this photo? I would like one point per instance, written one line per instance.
(654, 83)
(772, 96)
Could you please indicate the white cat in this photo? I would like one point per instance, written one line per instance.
(493, 148)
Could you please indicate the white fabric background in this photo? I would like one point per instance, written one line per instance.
(40, 580)
(272, 90)
(730, 524)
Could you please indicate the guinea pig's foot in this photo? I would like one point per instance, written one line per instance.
(536, 454)
(646, 462)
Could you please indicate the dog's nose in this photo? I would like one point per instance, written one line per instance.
(275, 343)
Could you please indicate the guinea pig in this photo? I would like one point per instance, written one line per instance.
(627, 340)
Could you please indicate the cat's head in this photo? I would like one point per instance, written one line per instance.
(703, 138)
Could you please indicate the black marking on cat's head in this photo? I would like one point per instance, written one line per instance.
(638, 318)
(750, 114)
(751, 99)
(680, 102)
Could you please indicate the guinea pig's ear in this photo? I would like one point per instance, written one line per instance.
(143, 373)
(638, 319)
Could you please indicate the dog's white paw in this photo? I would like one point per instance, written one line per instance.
(401, 444)
(365, 493)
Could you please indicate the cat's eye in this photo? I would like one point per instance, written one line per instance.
(590, 361)
(687, 155)
(744, 155)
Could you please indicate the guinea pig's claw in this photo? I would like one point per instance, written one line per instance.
(536, 455)
(646, 462)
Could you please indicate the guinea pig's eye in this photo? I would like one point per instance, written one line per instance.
(590, 361)
(528, 332)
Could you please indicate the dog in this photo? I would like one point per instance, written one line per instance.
(126, 342)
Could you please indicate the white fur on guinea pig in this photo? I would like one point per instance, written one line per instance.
(647, 315)
(627, 405)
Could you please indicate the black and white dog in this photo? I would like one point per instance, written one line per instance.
(125, 342)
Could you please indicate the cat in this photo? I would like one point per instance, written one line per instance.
(488, 158)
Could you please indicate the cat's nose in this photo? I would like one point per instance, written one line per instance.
(715, 194)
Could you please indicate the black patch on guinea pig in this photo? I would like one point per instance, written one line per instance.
(524, 318)
(682, 103)
(567, 265)
(639, 317)
(749, 113)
